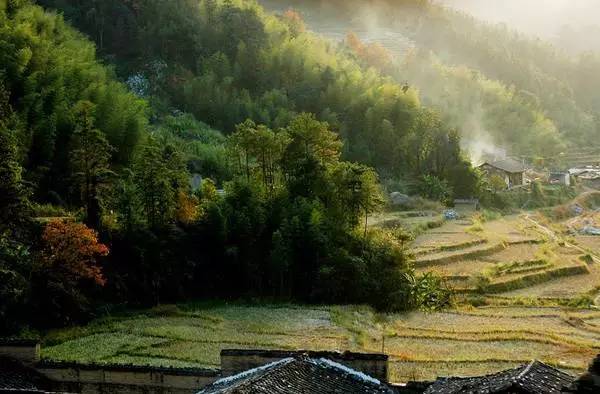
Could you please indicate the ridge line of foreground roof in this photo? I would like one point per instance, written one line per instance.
(248, 373)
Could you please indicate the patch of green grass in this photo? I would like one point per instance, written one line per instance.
(98, 347)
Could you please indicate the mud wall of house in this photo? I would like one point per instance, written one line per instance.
(108, 379)
(26, 352)
(516, 179)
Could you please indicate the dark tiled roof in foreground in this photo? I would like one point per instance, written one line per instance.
(298, 375)
(533, 378)
(16, 377)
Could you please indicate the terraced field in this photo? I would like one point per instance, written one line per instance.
(518, 286)
(464, 341)
(509, 256)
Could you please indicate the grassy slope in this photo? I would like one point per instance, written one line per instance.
(421, 346)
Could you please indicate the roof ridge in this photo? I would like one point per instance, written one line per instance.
(525, 371)
(267, 371)
(351, 372)
(250, 375)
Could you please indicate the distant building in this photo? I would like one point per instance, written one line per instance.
(560, 178)
(588, 176)
(510, 170)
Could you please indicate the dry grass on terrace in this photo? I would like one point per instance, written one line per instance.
(472, 341)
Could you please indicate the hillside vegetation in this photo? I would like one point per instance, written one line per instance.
(155, 155)
(225, 62)
(99, 203)
(497, 86)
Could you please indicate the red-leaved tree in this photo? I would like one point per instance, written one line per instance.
(71, 251)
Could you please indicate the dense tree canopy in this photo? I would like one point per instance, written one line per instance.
(46, 68)
(228, 61)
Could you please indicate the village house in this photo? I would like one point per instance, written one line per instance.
(299, 374)
(588, 176)
(269, 372)
(559, 178)
(510, 170)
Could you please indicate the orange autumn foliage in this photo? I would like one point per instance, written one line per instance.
(374, 54)
(187, 208)
(73, 249)
(295, 21)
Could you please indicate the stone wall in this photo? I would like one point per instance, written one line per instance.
(25, 351)
(234, 361)
(92, 379)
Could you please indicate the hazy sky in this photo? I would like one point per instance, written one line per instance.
(544, 18)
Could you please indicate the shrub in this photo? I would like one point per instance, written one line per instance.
(476, 300)
(434, 188)
(429, 292)
(49, 210)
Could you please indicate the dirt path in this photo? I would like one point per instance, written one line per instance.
(552, 234)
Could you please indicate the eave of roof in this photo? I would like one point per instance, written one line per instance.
(535, 377)
(508, 165)
(300, 374)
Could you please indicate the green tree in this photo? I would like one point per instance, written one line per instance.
(127, 202)
(358, 192)
(435, 188)
(311, 139)
(14, 203)
(160, 174)
(15, 261)
(90, 161)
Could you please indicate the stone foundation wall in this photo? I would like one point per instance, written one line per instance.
(92, 379)
(27, 352)
(236, 361)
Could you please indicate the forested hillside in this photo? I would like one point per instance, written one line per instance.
(98, 205)
(51, 82)
(225, 62)
(492, 83)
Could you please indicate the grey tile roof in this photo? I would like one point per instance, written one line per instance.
(298, 375)
(509, 165)
(533, 378)
(16, 377)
